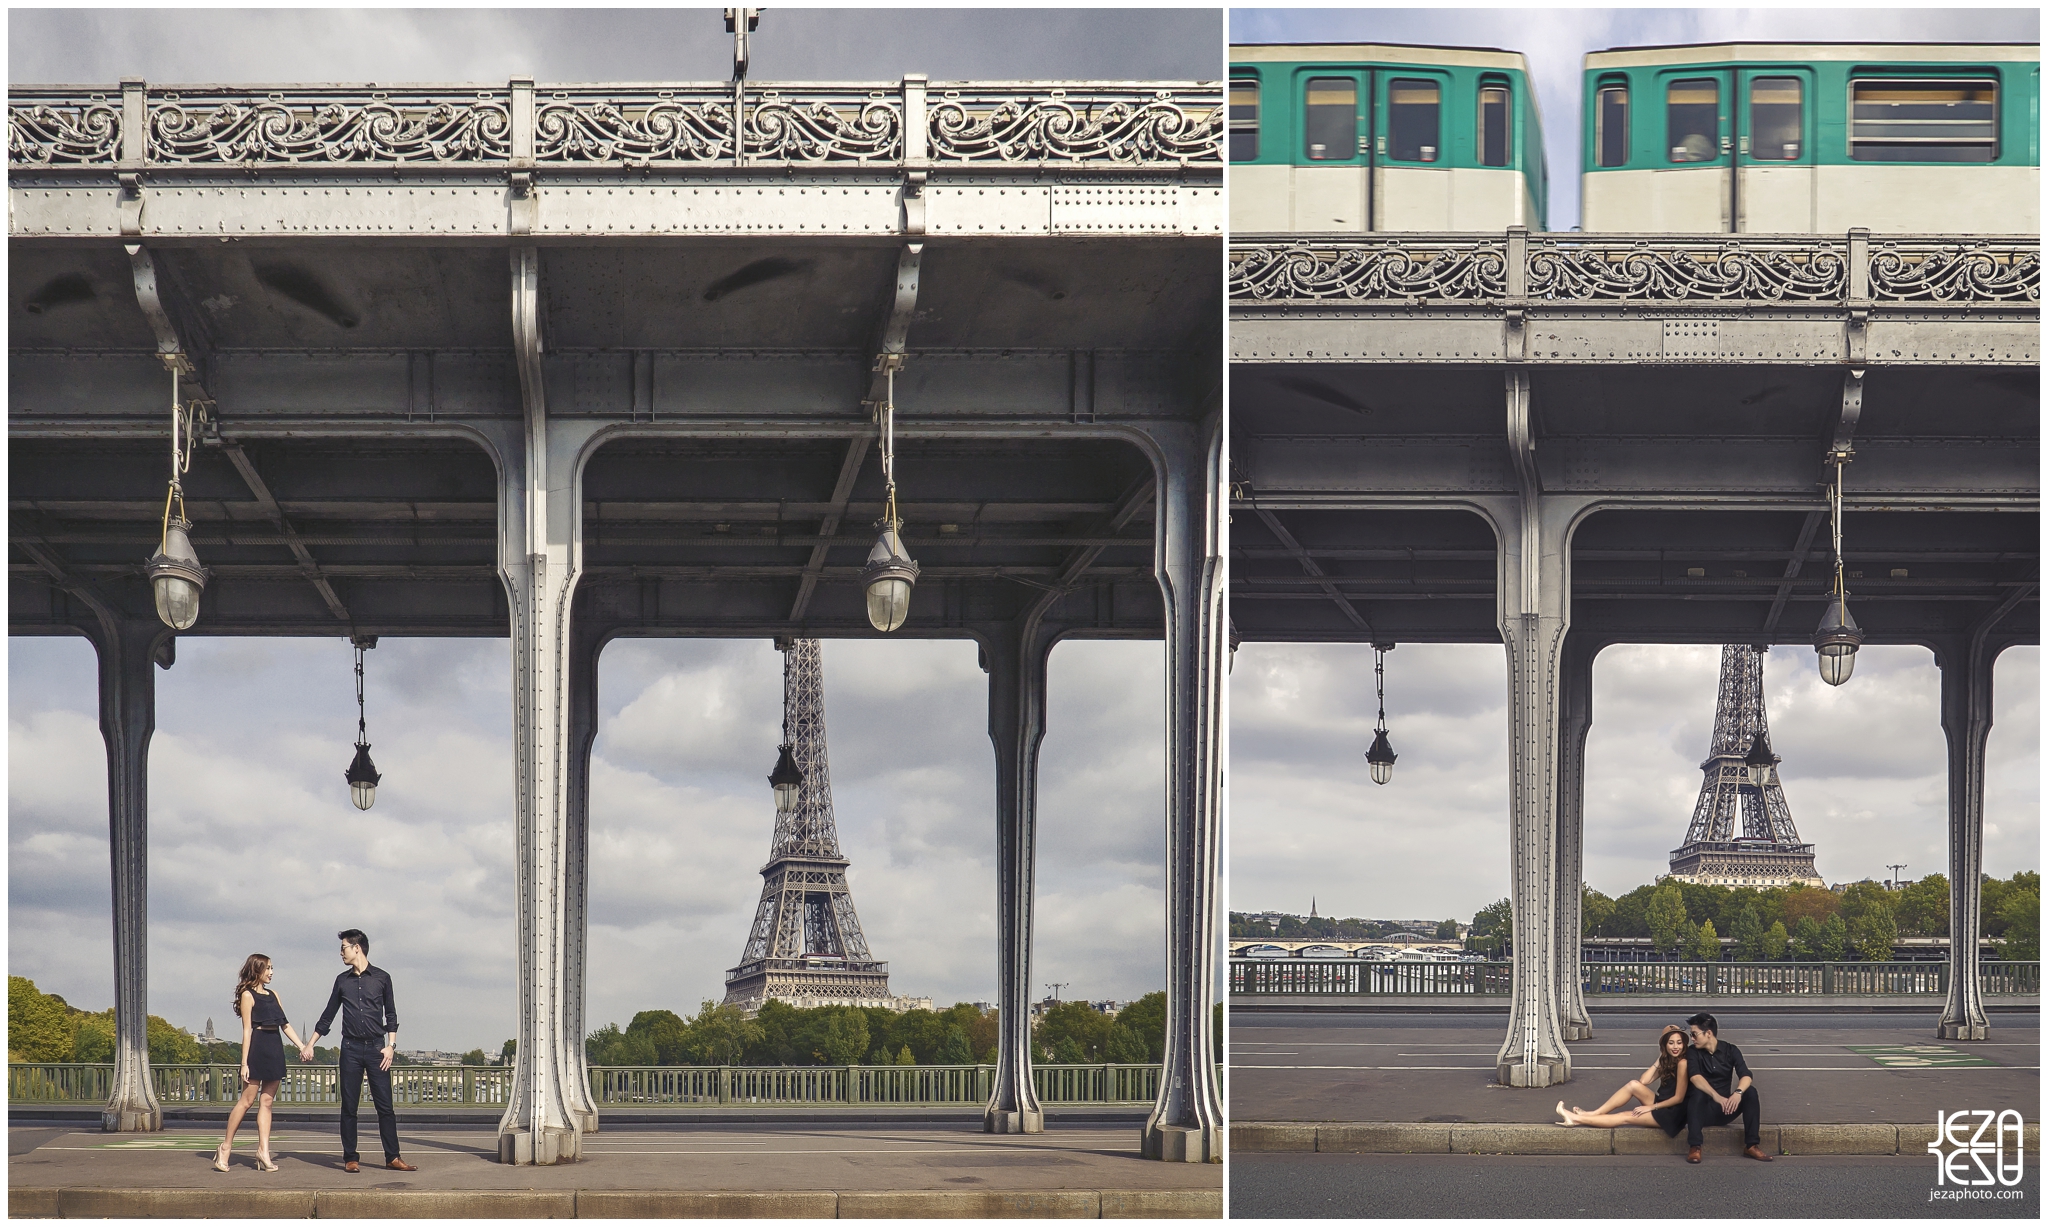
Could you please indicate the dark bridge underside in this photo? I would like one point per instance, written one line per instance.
(1345, 525)
(351, 379)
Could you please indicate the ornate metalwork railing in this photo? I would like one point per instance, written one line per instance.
(678, 1086)
(1534, 270)
(135, 127)
(1290, 977)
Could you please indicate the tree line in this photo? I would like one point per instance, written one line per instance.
(43, 1027)
(1862, 922)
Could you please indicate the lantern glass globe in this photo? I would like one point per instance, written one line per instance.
(364, 795)
(1836, 666)
(177, 601)
(888, 602)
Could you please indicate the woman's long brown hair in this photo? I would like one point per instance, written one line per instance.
(1667, 1065)
(251, 978)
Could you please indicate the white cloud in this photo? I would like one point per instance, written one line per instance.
(1864, 770)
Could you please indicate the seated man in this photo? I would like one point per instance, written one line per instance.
(1721, 1089)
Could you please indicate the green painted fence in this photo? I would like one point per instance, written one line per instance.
(612, 1086)
(1292, 977)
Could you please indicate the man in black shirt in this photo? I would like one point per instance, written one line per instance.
(1721, 1089)
(369, 1039)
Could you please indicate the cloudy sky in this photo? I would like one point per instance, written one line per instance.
(1864, 771)
(1556, 41)
(254, 845)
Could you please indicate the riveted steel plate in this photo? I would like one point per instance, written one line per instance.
(1347, 337)
(1115, 208)
(988, 208)
(338, 209)
(1972, 342)
(718, 209)
(84, 211)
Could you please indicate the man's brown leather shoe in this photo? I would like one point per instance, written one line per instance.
(400, 1165)
(1756, 1152)
(1693, 1155)
(351, 1166)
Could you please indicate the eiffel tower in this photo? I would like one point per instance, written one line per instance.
(806, 947)
(1742, 783)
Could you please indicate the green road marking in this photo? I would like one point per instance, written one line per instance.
(187, 1142)
(1918, 1056)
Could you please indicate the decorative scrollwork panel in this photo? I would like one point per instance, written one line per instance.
(1667, 271)
(384, 127)
(1955, 272)
(64, 131)
(656, 126)
(1083, 125)
(824, 126)
(1400, 271)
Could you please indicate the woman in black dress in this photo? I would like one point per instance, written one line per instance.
(1660, 1108)
(262, 1016)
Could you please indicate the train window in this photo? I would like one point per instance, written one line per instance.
(1923, 121)
(1692, 111)
(1493, 125)
(1413, 112)
(1330, 120)
(1610, 125)
(1775, 124)
(1244, 119)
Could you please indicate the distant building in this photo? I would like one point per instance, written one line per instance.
(208, 1037)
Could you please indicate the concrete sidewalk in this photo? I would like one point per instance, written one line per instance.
(1633, 1003)
(1841, 1069)
(1418, 1138)
(728, 1171)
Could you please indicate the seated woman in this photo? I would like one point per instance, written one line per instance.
(1662, 1108)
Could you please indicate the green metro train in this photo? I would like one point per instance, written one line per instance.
(1777, 138)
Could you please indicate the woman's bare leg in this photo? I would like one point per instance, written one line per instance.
(1632, 1091)
(1614, 1120)
(263, 1119)
(235, 1114)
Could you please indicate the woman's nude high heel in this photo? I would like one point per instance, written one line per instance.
(263, 1163)
(220, 1158)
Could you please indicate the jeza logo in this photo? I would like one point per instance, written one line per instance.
(1963, 1153)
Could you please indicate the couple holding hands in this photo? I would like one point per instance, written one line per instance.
(369, 1039)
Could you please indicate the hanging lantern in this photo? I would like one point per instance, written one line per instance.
(1838, 636)
(890, 572)
(1380, 756)
(175, 576)
(362, 774)
(1760, 760)
(787, 780)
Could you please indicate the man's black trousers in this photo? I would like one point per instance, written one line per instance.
(360, 1057)
(1701, 1110)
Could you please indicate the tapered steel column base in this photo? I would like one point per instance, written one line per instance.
(548, 1147)
(1030, 1120)
(1576, 1031)
(1184, 1144)
(1542, 1073)
(1963, 1031)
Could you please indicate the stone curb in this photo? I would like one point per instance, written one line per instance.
(1393, 1137)
(610, 1203)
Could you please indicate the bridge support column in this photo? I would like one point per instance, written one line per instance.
(1966, 663)
(127, 649)
(539, 556)
(1186, 1124)
(1535, 612)
(1575, 720)
(586, 639)
(1016, 660)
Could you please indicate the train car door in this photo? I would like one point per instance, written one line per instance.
(1332, 188)
(1774, 188)
(1411, 175)
(1693, 190)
